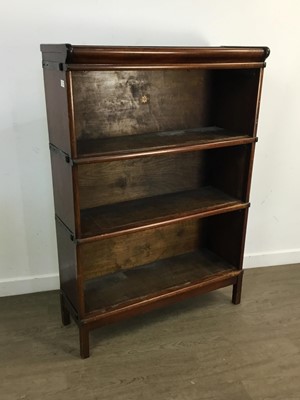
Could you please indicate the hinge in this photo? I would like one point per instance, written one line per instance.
(68, 159)
(54, 65)
(72, 235)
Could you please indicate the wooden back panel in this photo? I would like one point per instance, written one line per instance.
(128, 251)
(118, 181)
(116, 103)
(222, 234)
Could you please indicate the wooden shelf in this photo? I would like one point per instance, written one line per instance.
(133, 145)
(130, 215)
(124, 287)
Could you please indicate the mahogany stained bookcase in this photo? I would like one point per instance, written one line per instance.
(151, 151)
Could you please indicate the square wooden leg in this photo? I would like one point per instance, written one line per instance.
(237, 289)
(84, 341)
(65, 315)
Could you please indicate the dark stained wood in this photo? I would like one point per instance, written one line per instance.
(67, 266)
(202, 145)
(112, 103)
(222, 234)
(57, 109)
(118, 55)
(65, 314)
(126, 180)
(126, 215)
(237, 289)
(163, 66)
(63, 188)
(118, 181)
(235, 99)
(258, 98)
(71, 116)
(155, 141)
(76, 200)
(124, 287)
(128, 251)
(96, 319)
(228, 170)
(249, 174)
(84, 341)
(152, 163)
(225, 236)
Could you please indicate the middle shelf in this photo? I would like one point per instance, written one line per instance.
(153, 210)
(128, 195)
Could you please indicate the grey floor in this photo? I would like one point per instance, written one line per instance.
(203, 348)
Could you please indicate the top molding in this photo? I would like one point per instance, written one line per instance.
(69, 57)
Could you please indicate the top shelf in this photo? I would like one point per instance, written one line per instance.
(112, 148)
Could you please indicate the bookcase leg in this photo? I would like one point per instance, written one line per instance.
(84, 341)
(237, 289)
(65, 315)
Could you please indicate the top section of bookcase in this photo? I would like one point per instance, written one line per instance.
(71, 57)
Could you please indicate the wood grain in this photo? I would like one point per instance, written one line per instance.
(149, 280)
(122, 145)
(93, 56)
(63, 188)
(134, 249)
(57, 109)
(118, 181)
(116, 103)
(67, 265)
(166, 144)
(131, 214)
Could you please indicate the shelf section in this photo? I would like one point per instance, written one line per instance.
(135, 145)
(130, 215)
(153, 280)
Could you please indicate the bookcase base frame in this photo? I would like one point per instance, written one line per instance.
(95, 320)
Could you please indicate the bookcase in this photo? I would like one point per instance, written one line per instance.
(151, 152)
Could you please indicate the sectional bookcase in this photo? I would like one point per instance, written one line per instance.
(151, 151)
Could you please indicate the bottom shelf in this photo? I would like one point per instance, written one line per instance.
(152, 280)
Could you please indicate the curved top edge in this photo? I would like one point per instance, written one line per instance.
(83, 54)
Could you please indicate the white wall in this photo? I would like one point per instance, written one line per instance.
(28, 258)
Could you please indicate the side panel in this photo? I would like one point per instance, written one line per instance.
(57, 109)
(63, 189)
(228, 170)
(226, 236)
(236, 99)
(67, 264)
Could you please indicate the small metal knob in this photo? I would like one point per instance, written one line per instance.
(144, 99)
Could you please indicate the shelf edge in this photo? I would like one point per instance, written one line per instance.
(217, 281)
(173, 150)
(197, 215)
